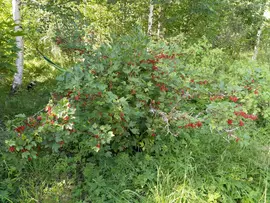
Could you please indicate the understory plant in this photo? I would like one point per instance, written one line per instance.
(145, 121)
(132, 91)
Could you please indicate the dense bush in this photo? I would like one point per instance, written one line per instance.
(191, 123)
(132, 91)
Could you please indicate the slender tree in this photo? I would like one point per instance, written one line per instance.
(259, 33)
(159, 21)
(150, 18)
(19, 42)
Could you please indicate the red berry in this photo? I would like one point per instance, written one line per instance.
(241, 123)
(20, 129)
(253, 117)
(199, 124)
(229, 121)
(24, 150)
(39, 118)
(48, 109)
(163, 88)
(234, 99)
(155, 68)
(12, 149)
(69, 93)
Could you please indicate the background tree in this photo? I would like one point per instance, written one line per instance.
(150, 18)
(19, 42)
(265, 9)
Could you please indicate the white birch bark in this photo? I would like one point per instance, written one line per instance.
(150, 18)
(19, 42)
(159, 23)
(158, 31)
(256, 48)
(259, 33)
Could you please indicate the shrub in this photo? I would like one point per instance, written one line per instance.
(132, 91)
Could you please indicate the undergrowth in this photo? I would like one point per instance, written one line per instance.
(194, 168)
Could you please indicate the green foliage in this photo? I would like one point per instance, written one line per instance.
(194, 167)
(209, 158)
(178, 119)
(207, 169)
(69, 24)
(131, 92)
(8, 48)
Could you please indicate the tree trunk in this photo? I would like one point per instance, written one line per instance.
(17, 82)
(259, 33)
(150, 18)
(256, 48)
(159, 23)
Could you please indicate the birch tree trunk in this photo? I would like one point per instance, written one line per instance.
(256, 48)
(159, 23)
(259, 33)
(150, 18)
(17, 82)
